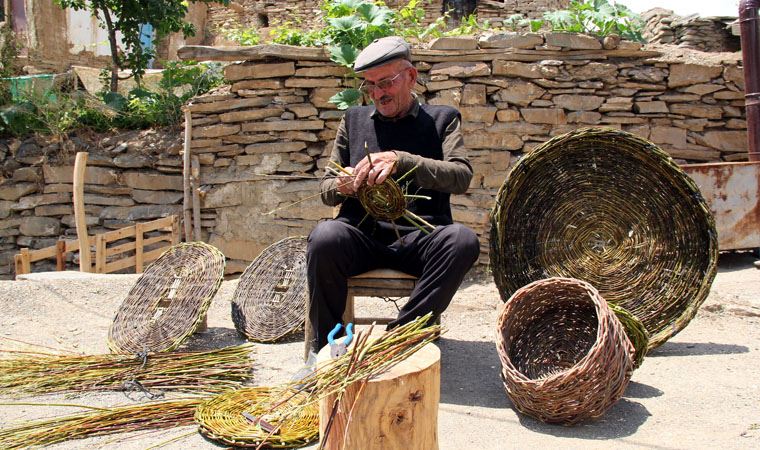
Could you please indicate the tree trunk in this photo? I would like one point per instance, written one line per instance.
(396, 410)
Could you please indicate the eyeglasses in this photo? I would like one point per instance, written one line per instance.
(368, 87)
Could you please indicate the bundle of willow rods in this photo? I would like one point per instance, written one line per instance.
(231, 418)
(367, 358)
(387, 200)
(635, 331)
(211, 371)
(100, 421)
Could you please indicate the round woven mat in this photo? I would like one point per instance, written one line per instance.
(612, 209)
(271, 296)
(558, 342)
(228, 418)
(169, 300)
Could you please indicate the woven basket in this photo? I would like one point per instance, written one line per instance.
(169, 300)
(564, 355)
(635, 331)
(612, 209)
(270, 300)
(227, 418)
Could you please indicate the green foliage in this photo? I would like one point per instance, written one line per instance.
(56, 112)
(126, 17)
(599, 17)
(241, 35)
(346, 98)
(514, 22)
(289, 34)
(468, 26)
(409, 22)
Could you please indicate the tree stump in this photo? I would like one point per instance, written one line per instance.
(396, 410)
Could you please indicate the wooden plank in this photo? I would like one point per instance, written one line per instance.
(60, 255)
(80, 164)
(139, 247)
(384, 274)
(187, 200)
(156, 239)
(43, 253)
(121, 248)
(23, 263)
(120, 264)
(164, 222)
(121, 233)
(100, 254)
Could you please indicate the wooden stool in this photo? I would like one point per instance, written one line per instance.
(396, 410)
(374, 283)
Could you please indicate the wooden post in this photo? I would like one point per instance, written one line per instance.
(80, 164)
(396, 410)
(60, 254)
(100, 253)
(187, 202)
(175, 230)
(195, 185)
(23, 262)
(138, 248)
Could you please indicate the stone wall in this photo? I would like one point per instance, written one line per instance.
(134, 177)
(264, 139)
(708, 34)
(533, 9)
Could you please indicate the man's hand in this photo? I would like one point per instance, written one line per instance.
(383, 165)
(346, 183)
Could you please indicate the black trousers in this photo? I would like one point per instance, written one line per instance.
(337, 251)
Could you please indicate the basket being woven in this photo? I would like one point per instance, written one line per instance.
(612, 209)
(564, 355)
(231, 418)
(270, 299)
(169, 300)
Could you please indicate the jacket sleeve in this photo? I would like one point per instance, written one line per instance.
(328, 185)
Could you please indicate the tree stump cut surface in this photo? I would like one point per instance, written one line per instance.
(396, 410)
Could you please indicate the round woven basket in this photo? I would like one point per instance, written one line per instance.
(559, 344)
(612, 209)
(230, 418)
(270, 299)
(169, 300)
(635, 331)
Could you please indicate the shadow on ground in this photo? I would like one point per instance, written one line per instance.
(696, 349)
(733, 261)
(470, 374)
(623, 419)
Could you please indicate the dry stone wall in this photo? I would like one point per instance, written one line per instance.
(534, 9)
(133, 177)
(709, 34)
(264, 139)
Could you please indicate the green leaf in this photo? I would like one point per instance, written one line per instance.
(344, 55)
(115, 100)
(346, 98)
(345, 24)
(375, 15)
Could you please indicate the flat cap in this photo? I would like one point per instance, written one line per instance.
(381, 51)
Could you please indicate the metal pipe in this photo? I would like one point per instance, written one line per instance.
(750, 36)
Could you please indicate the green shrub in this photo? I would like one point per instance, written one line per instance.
(598, 17)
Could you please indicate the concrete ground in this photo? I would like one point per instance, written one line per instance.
(701, 389)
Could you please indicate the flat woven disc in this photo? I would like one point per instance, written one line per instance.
(612, 209)
(270, 299)
(169, 300)
(228, 418)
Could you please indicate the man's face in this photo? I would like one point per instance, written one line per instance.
(395, 99)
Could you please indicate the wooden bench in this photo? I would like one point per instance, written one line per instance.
(374, 283)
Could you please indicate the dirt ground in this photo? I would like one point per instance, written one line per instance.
(699, 390)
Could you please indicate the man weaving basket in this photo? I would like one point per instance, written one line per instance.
(397, 136)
